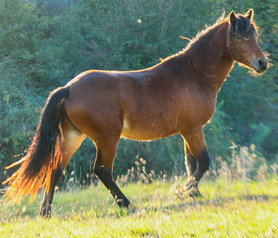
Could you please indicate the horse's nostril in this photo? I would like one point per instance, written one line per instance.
(262, 63)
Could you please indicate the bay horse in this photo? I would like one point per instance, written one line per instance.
(178, 95)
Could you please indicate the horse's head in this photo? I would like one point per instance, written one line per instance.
(242, 42)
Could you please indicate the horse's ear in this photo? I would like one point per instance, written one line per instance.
(232, 17)
(250, 14)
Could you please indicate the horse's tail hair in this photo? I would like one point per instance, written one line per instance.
(44, 155)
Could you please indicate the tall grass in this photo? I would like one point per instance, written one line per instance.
(245, 164)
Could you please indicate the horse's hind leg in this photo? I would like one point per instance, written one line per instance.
(48, 196)
(103, 168)
(71, 141)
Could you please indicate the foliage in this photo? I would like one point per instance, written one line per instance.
(45, 43)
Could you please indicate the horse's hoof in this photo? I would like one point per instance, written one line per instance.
(45, 212)
(190, 189)
(194, 192)
(123, 203)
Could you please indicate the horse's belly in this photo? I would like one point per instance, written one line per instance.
(146, 131)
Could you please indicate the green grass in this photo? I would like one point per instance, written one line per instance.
(228, 209)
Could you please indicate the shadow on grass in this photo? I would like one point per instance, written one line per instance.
(216, 202)
(219, 202)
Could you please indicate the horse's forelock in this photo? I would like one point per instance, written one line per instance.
(244, 26)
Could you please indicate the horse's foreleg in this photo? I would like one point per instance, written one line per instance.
(197, 147)
(103, 169)
(190, 161)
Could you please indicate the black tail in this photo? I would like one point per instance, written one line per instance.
(44, 155)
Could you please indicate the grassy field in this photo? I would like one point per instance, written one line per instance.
(227, 209)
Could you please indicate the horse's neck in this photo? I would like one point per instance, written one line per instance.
(209, 57)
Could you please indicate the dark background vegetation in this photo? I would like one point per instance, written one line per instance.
(45, 43)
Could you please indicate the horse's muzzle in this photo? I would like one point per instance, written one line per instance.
(260, 65)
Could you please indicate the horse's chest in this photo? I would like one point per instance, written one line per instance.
(196, 110)
(207, 112)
